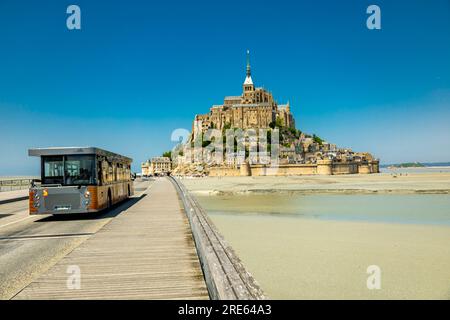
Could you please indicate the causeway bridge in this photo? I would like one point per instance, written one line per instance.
(160, 244)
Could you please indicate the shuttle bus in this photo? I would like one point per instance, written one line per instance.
(79, 180)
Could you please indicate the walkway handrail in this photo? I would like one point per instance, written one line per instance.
(225, 275)
(15, 184)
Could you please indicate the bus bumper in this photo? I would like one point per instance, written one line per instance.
(59, 200)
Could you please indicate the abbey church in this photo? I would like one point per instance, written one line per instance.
(298, 153)
(255, 108)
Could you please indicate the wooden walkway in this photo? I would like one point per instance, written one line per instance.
(147, 252)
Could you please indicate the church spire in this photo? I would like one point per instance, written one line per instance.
(248, 78)
(249, 72)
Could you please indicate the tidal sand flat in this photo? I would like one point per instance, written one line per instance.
(393, 182)
(312, 259)
(300, 244)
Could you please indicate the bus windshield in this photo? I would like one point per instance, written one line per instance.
(69, 170)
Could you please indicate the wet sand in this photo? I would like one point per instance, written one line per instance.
(296, 257)
(309, 259)
(374, 183)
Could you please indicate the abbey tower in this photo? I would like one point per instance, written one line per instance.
(254, 108)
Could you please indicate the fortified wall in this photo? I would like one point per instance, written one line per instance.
(322, 167)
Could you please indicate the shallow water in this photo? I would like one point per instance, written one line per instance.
(320, 246)
(417, 209)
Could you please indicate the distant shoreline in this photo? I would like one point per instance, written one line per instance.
(419, 165)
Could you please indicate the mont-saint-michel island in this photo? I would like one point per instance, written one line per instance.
(256, 111)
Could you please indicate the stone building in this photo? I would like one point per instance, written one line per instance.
(156, 166)
(254, 108)
(145, 168)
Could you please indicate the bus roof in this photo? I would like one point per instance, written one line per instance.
(59, 151)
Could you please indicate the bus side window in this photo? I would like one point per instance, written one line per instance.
(121, 175)
(99, 173)
(105, 171)
(110, 172)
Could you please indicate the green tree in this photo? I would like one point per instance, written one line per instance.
(317, 139)
(167, 154)
(279, 123)
(227, 126)
(293, 131)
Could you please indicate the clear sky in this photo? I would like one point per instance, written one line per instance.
(137, 70)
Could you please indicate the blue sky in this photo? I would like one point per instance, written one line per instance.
(137, 70)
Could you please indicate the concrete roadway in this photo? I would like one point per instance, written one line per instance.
(30, 245)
